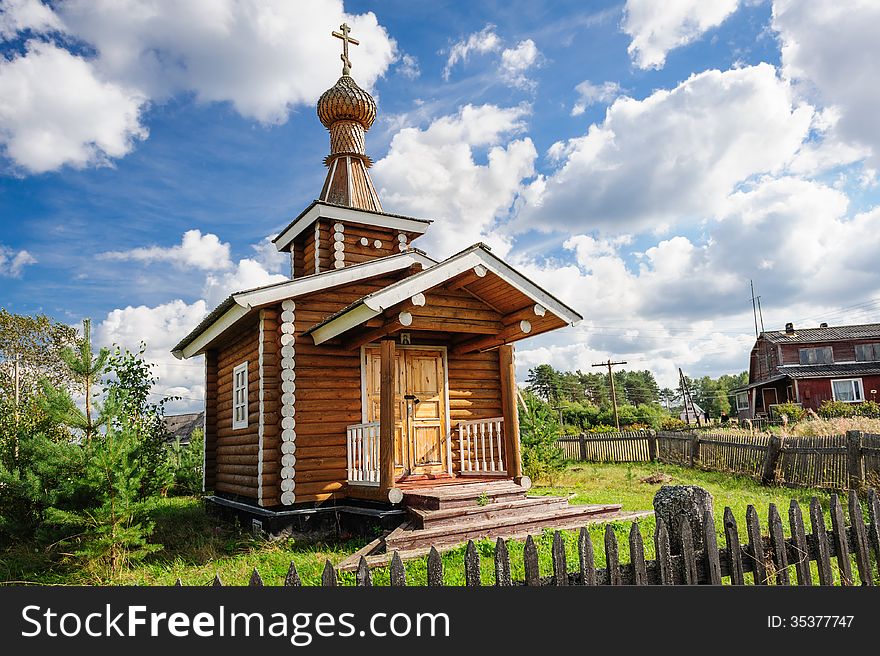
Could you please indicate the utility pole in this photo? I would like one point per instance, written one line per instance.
(760, 314)
(610, 364)
(754, 307)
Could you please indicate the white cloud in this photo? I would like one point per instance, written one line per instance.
(161, 328)
(590, 94)
(672, 157)
(409, 66)
(433, 173)
(198, 251)
(247, 274)
(12, 263)
(831, 50)
(58, 110)
(658, 27)
(20, 15)
(263, 56)
(516, 61)
(479, 42)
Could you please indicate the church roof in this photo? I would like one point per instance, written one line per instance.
(461, 263)
(236, 306)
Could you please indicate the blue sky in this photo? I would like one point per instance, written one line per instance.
(642, 160)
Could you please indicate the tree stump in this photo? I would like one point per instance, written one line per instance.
(674, 501)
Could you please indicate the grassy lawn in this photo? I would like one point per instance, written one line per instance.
(197, 546)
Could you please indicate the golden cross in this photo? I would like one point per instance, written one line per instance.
(346, 62)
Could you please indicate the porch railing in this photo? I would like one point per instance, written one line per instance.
(480, 445)
(362, 441)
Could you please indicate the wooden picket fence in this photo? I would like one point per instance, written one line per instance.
(836, 462)
(762, 560)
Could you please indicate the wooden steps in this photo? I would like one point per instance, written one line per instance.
(451, 514)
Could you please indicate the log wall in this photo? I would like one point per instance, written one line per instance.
(237, 449)
(210, 462)
(270, 396)
(474, 392)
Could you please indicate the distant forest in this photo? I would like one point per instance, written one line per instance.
(583, 400)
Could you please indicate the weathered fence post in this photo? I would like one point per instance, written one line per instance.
(855, 463)
(582, 444)
(695, 449)
(771, 459)
(652, 445)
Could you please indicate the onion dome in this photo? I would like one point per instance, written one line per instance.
(346, 101)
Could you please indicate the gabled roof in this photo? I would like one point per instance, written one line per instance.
(322, 209)
(181, 427)
(477, 255)
(824, 334)
(239, 304)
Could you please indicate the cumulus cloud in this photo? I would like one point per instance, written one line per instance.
(247, 274)
(161, 327)
(408, 66)
(672, 157)
(516, 61)
(12, 263)
(832, 52)
(264, 57)
(22, 15)
(486, 40)
(198, 251)
(590, 94)
(433, 173)
(658, 27)
(59, 110)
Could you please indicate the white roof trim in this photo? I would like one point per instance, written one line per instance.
(247, 300)
(351, 215)
(379, 301)
(213, 331)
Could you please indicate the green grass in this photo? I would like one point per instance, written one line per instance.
(196, 546)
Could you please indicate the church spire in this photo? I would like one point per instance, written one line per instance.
(348, 111)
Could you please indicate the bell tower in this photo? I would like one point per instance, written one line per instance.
(346, 225)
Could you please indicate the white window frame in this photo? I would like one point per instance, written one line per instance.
(240, 396)
(858, 389)
(739, 396)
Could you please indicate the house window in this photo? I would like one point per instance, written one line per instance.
(820, 355)
(742, 401)
(848, 390)
(867, 352)
(240, 396)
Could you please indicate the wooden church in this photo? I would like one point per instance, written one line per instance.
(376, 373)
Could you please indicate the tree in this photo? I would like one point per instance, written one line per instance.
(544, 381)
(85, 368)
(669, 397)
(539, 430)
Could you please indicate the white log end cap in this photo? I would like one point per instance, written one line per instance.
(395, 495)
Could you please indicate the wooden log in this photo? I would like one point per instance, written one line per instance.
(689, 572)
(586, 560)
(710, 550)
(874, 526)
(530, 562)
(820, 538)
(471, 565)
(841, 544)
(386, 415)
(855, 462)
(328, 575)
(778, 550)
(664, 553)
(771, 460)
(435, 568)
(502, 564)
(860, 539)
(612, 557)
(560, 567)
(398, 572)
(801, 556)
(512, 456)
(756, 546)
(637, 556)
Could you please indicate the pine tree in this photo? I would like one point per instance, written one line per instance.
(86, 369)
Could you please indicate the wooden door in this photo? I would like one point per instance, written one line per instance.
(419, 421)
(769, 398)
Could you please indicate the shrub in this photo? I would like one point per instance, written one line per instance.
(832, 409)
(539, 429)
(670, 423)
(869, 409)
(186, 464)
(793, 411)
